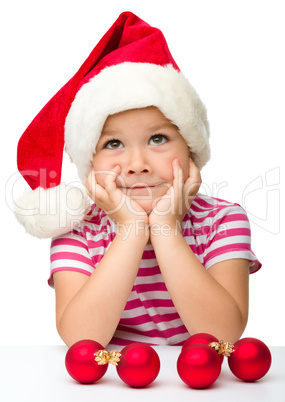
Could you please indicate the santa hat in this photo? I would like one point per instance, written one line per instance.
(131, 67)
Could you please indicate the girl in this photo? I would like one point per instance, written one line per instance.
(151, 260)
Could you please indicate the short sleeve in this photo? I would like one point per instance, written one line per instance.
(230, 237)
(69, 252)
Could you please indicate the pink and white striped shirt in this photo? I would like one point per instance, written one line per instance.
(215, 230)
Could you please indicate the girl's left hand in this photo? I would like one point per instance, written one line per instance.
(171, 208)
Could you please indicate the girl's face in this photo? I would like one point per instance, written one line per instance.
(143, 142)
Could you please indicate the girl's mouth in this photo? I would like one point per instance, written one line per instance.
(145, 186)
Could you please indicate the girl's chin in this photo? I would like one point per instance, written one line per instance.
(146, 205)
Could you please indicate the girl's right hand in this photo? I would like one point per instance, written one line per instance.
(117, 205)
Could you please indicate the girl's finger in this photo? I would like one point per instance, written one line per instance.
(110, 179)
(177, 185)
(178, 177)
(193, 183)
(91, 183)
(194, 172)
(94, 190)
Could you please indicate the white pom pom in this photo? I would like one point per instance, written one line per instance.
(52, 212)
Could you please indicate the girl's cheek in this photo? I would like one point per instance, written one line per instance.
(100, 164)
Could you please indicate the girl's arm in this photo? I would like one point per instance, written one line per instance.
(91, 307)
(213, 301)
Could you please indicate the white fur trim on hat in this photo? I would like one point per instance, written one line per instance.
(131, 86)
(52, 212)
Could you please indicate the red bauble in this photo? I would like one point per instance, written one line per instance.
(198, 365)
(139, 365)
(201, 337)
(250, 360)
(80, 362)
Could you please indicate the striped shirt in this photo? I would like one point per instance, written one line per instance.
(215, 230)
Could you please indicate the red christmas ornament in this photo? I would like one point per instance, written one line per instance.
(80, 362)
(198, 365)
(139, 365)
(250, 360)
(201, 337)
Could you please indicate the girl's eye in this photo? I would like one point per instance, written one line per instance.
(113, 144)
(158, 139)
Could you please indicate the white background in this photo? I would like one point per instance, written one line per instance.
(233, 54)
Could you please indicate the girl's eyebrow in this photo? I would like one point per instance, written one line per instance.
(110, 132)
(162, 126)
(156, 127)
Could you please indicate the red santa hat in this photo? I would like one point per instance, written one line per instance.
(131, 67)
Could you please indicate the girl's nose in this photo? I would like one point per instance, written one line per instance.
(137, 163)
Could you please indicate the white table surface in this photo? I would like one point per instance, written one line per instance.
(37, 373)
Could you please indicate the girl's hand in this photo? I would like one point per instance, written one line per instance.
(191, 185)
(117, 205)
(170, 209)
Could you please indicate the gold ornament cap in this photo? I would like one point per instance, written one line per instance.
(104, 357)
(223, 348)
